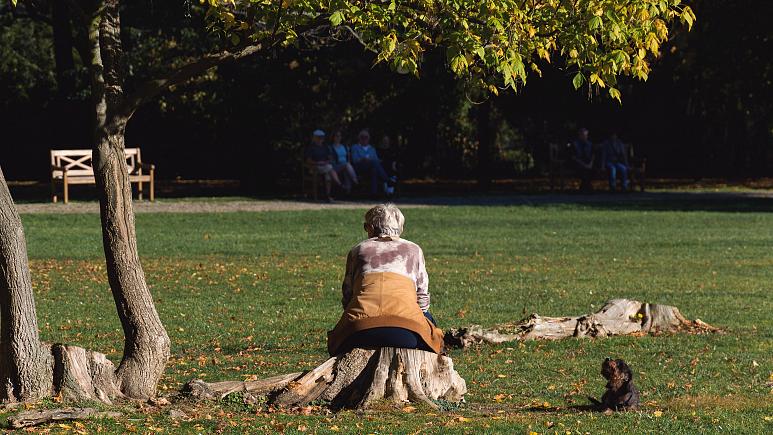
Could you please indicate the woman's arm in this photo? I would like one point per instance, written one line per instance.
(346, 286)
(422, 283)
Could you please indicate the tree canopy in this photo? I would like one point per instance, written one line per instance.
(491, 44)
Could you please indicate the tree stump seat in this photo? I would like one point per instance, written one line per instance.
(357, 379)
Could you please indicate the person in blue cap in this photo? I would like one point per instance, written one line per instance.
(318, 157)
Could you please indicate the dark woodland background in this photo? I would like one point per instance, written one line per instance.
(706, 111)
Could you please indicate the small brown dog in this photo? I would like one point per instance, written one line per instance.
(621, 393)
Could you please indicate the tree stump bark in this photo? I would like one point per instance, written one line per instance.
(357, 379)
(616, 317)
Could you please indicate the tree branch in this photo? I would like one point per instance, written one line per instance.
(188, 71)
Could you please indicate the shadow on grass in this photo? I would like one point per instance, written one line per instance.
(648, 201)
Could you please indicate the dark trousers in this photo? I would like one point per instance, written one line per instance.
(377, 174)
(586, 175)
(387, 337)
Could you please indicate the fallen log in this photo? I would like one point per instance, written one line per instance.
(616, 317)
(38, 417)
(358, 379)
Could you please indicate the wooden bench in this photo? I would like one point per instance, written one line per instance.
(560, 166)
(75, 167)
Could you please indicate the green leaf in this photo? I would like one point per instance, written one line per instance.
(337, 18)
(614, 93)
(594, 22)
(459, 64)
(481, 52)
(579, 79)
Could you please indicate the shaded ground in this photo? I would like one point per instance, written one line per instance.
(761, 200)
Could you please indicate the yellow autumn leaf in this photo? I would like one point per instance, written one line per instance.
(658, 413)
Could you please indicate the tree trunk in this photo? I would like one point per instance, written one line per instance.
(29, 369)
(25, 364)
(146, 343)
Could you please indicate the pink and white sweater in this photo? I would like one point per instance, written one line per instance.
(387, 254)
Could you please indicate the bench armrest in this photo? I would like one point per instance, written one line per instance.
(148, 166)
(58, 168)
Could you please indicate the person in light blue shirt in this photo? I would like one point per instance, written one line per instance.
(366, 161)
(341, 164)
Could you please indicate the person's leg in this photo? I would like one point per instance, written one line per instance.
(612, 168)
(429, 317)
(334, 176)
(623, 175)
(352, 174)
(382, 337)
(379, 169)
(346, 182)
(328, 187)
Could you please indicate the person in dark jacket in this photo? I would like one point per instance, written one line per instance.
(318, 157)
(583, 159)
(614, 158)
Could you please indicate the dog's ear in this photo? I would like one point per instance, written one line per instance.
(623, 367)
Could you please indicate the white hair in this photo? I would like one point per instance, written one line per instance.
(384, 220)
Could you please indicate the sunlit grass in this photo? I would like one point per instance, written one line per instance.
(252, 294)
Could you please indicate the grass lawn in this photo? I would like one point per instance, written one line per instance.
(252, 294)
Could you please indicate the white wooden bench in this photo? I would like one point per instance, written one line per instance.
(75, 167)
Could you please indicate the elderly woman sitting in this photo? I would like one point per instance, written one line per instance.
(385, 291)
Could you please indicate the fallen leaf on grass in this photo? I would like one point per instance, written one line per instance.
(409, 409)
(657, 414)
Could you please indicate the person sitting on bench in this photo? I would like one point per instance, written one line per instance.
(385, 291)
(583, 159)
(343, 168)
(615, 160)
(366, 161)
(319, 160)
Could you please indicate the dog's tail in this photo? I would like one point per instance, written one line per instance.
(594, 401)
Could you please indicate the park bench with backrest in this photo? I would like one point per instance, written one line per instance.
(560, 166)
(76, 167)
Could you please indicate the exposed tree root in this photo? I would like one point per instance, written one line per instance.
(356, 379)
(34, 418)
(78, 374)
(616, 317)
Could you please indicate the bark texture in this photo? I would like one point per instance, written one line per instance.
(25, 364)
(146, 343)
(357, 379)
(616, 317)
(35, 418)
